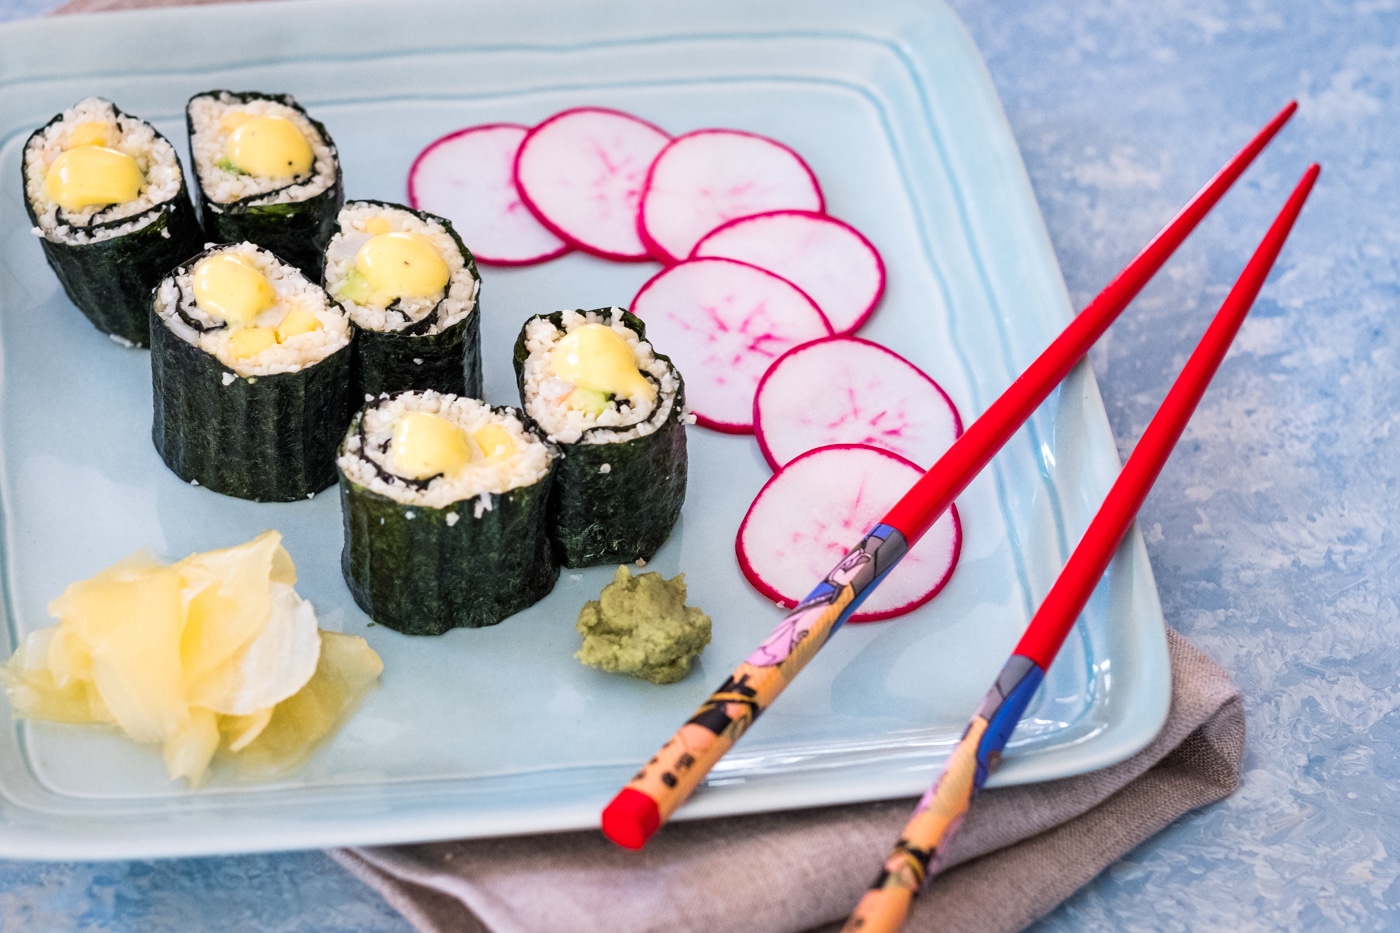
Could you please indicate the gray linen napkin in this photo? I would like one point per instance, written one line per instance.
(1021, 851)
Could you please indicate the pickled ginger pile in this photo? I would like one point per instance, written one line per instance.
(215, 653)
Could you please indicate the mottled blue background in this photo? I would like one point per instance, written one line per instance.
(1268, 531)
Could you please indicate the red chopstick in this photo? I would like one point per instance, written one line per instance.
(668, 779)
(935, 491)
(917, 856)
(1071, 591)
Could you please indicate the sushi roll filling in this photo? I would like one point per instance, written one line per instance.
(434, 450)
(594, 381)
(268, 146)
(258, 150)
(395, 271)
(395, 268)
(600, 367)
(95, 173)
(232, 289)
(256, 314)
(93, 176)
(436, 468)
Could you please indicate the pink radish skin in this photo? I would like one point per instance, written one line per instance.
(829, 260)
(723, 322)
(468, 177)
(581, 173)
(707, 177)
(811, 512)
(845, 390)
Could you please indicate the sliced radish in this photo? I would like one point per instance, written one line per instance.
(845, 390)
(723, 322)
(704, 178)
(581, 173)
(829, 260)
(816, 508)
(468, 177)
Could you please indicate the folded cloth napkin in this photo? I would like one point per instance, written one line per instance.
(1020, 852)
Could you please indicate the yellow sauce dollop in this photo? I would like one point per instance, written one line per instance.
(228, 287)
(268, 147)
(425, 445)
(494, 441)
(297, 321)
(90, 176)
(402, 265)
(250, 341)
(88, 133)
(596, 359)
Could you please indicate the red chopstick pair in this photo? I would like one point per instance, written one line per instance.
(916, 857)
(677, 769)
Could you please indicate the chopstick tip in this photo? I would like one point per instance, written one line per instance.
(1283, 116)
(1307, 180)
(631, 819)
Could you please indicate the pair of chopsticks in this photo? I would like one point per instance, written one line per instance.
(916, 856)
(677, 769)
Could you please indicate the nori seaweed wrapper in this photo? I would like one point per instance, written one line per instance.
(413, 571)
(626, 512)
(296, 231)
(447, 362)
(409, 358)
(265, 438)
(110, 280)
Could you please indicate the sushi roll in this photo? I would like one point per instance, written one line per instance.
(107, 199)
(268, 174)
(411, 289)
(593, 385)
(250, 371)
(444, 501)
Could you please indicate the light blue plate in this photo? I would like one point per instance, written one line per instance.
(499, 730)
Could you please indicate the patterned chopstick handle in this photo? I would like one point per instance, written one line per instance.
(665, 781)
(918, 855)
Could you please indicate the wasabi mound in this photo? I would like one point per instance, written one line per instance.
(642, 627)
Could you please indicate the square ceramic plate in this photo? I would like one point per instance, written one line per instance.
(499, 730)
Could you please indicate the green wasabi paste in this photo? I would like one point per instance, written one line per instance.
(641, 626)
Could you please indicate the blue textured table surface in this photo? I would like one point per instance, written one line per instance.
(1268, 530)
